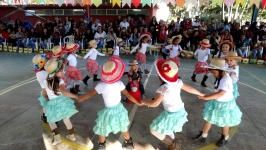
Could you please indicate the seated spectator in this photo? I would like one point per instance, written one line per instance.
(32, 38)
(20, 36)
(110, 38)
(162, 37)
(214, 41)
(56, 36)
(27, 25)
(145, 31)
(124, 24)
(18, 24)
(124, 34)
(12, 37)
(185, 40)
(88, 37)
(242, 46)
(194, 40)
(154, 35)
(187, 24)
(236, 32)
(44, 39)
(12, 26)
(134, 37)
(99, 36)
(106, 26)
(256, 47)
(77, 37)
(162, 26)
(38, 28)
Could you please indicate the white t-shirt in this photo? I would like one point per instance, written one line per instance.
(72, 60)
(41, 77)
(221, 56)
(172, 100)
(93, 54)
(100, 35)
(175, 50)
(236, 71)
(177, 25)
(143, 48)
(226, 84)
(202, 54)
(50, 92)
(116, 51)
(196, 23)
(124, 24)
(111, 92)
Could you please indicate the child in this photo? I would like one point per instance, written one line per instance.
(203, 57)
(221, 108)
(225, 46)
(175, 49)
(72, 72)
(142, 47)
(165, 51)
(117, 49)
(60, 105)
(233, 69)
(92, 65)
(114, 117)
(174, 115)
(39, 61)
(135, 74)
(58, 54)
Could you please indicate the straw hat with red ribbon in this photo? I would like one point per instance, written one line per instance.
(58, 50)
(112, 71)
(205, 43)
(71, 47)
(167, 70)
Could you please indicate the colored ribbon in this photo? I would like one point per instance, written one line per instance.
(136, 3)
(86, 2)
(124, 2)
(146, 2)
(180, 3)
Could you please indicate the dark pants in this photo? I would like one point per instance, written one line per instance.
(141, 87)
(110, 44)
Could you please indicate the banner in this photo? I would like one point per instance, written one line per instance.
(242, 2)
(78, 2)
(97, 3)
(124, 2)
(70, 2)
(59, 2)
(229, 3)
(136, 3)
(50, 2)
(218, 2)
(204, 2)
(146, 2)
(256, 2)
(86, 2)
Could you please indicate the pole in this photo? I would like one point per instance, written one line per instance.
(254, 14)
(223, 11)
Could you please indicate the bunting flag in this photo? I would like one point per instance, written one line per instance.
(263, 3)
(86, 2)
(69, 2)
(33, 1)
(242, 2)
(169, 1)
(218, 2)
(26, 2)
(156, 2)
(118, 2)
(180, 3)
(256, 2)
(78, 2)
(48, 2)
(59, 2)
(97, 3)
(41, 1)
(190, 3)
(17, 2)
(229, 3)
(124, 2)
(136, 3)
(204, 2)
(146, 2)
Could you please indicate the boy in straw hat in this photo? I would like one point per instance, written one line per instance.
(203, 57)
(92, 65)
(175, 49)
(174, 116)
(60, 105)
(114, 117)
(221, 108)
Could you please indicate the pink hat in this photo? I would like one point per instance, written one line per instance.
(112, 71)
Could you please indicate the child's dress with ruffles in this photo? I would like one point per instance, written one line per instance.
(41, 77)
(58, 107)
(174, 116)
(174, 52)
(92, 65)
(235, 78)
(114, 117)
(223, 111)
(202, 61)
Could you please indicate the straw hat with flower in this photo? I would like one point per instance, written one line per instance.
(112, 71)
(232, 55)
(205, 43)
(53, 66)
(71, 47)
(167, 70)
(177, 36)
(216, 63)
(58, 50)
(40, 60)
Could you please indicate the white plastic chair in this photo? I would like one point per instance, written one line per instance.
(50, 44)
(70, 38)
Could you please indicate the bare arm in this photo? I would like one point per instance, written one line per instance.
(130, 97)
(44, 94)
(134, 49)
(66, 93)
(156, 102)
(88, 95)
(216, 95)
(190, 89)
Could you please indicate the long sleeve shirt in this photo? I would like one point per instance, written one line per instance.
(143, 48)
(93, 54)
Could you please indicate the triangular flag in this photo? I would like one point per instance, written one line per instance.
(118, 2)
(34, 1)
(242, 2)
(156, 2)
(190, 3)
(229, 3)
(170, 1)
(97, 3)
(59, 2)
(86, 2)
(26, 2)
(49, 2)
(204, 2)
(124, 2)
(69, 2)
(263, 3)
(146, 2)
(78, 2)
(218, 2)
(136, 3)
(256, 2)
(41, 1)
(180, 3)
(17, 2)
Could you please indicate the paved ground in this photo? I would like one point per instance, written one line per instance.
(21, 128)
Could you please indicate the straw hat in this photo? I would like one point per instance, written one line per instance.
(133, 62)
(205, 43)
(58, 50)
(40, 60)
(53, 66)
(144, 35)
(92, 42)
(177, 36)
(227, 42)
(71, 47)
(232, 55)
(216, 63)
(119, 40)
(167, 70)
(112, 71)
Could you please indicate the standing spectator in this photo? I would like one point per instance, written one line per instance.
(242, 46)
(162, 26)
(99, 36)
(56, 22)
(253, 30)
(177, 23)
(154, 35)
(124, 24)
(153, 23)
(171, 27)
(196, 24)
(106, 26)
(134, 37)
(44, 39)
(110, 38)
(81, 21)
(27, 25)
(88, 37)
(187, 25)
(261, 33)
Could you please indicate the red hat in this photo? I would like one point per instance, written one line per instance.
(167, 70)
(205, 43)
(71, 47)
(112, 71)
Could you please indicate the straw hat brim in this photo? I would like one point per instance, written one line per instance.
(179, 36)
(129, 64)
(63, 49)
(215, 67)
(226, 42)
(232, 57)
(161, 73)
(116, 74)
(72, 49)
(204, 44)
(60, 64)
(144, 35)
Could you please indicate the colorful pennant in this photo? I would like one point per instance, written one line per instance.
(146, 2)
(26, 2)
(218, 2)
(229, 3)
(59, 2)
(78, 2)
(34, 1)
(86, 2)
(190, 3)
(263, 3)
(242, 2)
(136, 3)
(41, 1)
(124, 2)
(255, 2)
(48, 2)
(97, 3)
(170, 1)
(69, 2)
(156, 2)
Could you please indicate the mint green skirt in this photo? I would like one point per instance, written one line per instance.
(169, 122)
(235, 93)
(59, 108)
(222, 113)
(42, 100)
(111, 119)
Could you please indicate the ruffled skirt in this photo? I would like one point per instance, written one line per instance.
(141, 57)
(236, 93)
(42, 100)
(111, 119)
(73, 73)
(222, 113)
(169, 122)
(176, 60)
(60, 108)
(92, 66)
(199, 69)
(65, 80)
(115, 57)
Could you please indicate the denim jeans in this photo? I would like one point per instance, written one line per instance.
(55, 41)
(100, 44)
(20, 43)
(1, 42)
(133, 43)
(242, 52)
(44, 44)
(31, 43)
(257, 53)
